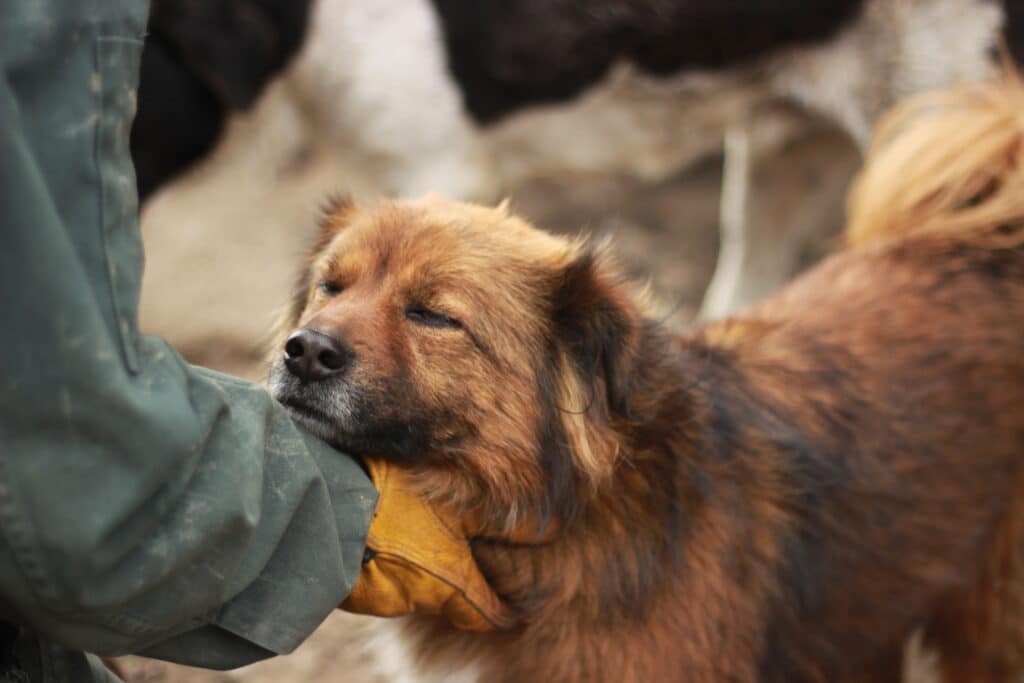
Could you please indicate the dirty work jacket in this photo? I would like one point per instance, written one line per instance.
(145, 505)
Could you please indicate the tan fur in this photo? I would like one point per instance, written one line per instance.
(916, 184)
(783, 497)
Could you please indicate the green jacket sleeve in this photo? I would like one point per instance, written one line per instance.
(145, 504)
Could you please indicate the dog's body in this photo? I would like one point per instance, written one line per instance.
(782, 497)
(806, 493)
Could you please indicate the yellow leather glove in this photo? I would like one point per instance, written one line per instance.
(419, 561)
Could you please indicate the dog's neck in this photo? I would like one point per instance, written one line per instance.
(639, 515)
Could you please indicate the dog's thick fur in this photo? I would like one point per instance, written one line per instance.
(784, 496)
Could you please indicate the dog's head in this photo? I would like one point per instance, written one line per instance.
(461, 339)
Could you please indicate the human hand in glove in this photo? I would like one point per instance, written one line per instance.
(418, 560)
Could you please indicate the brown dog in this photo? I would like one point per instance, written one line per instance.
(784, 497)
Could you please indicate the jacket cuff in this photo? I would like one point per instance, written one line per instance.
(276, 611)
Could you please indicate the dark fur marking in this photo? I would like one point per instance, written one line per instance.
(1014, 29)
(163, 145)
(556, 460)
(232, 46)
(401, 440)
(203, 59)
(595, 329)
(739, 420)
(508, 54)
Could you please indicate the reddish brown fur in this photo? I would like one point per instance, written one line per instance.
(782, 497)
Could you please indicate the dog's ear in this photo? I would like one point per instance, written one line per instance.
(334, 215)
(597, 318)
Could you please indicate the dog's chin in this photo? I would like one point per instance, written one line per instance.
(393, 442)
(314, 421)
(351, 423)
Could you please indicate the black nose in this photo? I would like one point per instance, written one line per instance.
(312, 355)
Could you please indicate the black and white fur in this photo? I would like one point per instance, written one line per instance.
(471, 98)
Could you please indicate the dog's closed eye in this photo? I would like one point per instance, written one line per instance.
(329, 288)
(431, 318)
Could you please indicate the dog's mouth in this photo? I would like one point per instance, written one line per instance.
(310, 416)
(355, 427)
(303, 409)
(327, 428)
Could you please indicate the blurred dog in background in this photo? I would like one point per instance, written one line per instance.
(471, 99)
(784, 496)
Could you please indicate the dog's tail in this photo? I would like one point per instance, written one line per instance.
(949, 161)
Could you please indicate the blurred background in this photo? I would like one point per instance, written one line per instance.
(747, 125)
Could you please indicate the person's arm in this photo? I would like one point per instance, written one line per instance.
(144, 503)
